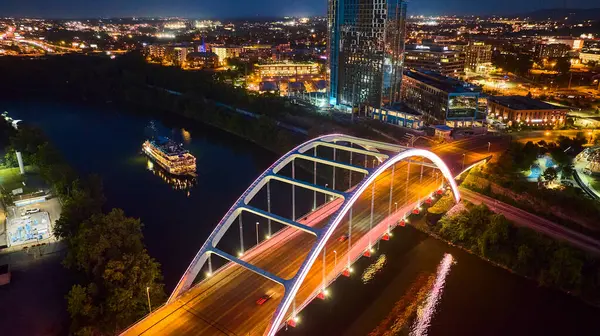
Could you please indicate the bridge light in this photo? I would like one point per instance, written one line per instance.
(268, 236)
(208, 274)
(240, 254)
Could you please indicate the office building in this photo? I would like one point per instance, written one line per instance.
(435, 58)
(590, 52)
(441, 99)
(224, 53)
(554, 50)
(525, 110)
(365, 51)
(286, 69)
(177, 54)
(478, 56)
(574, 44)
(202, 60)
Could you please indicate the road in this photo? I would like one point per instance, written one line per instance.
(542, 225)
(225, 303)
(546, 135)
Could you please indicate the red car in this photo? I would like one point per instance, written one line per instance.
(343, 238)
(263, 299)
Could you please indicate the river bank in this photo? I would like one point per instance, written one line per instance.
(518, 250)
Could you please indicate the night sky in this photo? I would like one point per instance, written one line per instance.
(256, 8)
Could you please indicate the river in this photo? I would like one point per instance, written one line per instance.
(422, 286)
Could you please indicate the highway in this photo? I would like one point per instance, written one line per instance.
(225, 303)
(526, 219)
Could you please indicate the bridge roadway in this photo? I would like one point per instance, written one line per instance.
(225, 303)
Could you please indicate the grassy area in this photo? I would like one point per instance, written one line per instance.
(11, 179)
(595, 184)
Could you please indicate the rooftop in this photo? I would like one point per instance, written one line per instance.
(429, 48)
(441, 82)
(523, 103)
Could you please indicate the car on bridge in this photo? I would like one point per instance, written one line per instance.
(264, 299)
(343, 238)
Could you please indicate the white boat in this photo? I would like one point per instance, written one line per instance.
(172, 157)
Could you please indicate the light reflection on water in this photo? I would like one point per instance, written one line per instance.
(183, 183)
(373, 269)
(427, 311)
(417, 305)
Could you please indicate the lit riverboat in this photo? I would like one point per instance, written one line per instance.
(172, 157)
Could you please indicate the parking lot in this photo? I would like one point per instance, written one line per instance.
(24, 229)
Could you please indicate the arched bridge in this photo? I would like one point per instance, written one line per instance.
(350, 192)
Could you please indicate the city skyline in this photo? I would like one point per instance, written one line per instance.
(261, 8)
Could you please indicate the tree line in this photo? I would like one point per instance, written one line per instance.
(551, 263)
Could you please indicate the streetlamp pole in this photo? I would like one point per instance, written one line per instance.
(256, 233)
(325, 195)
(396, 203)
(268, 209)
(334, 260)
(148, 295)
(241, 236)
(489, 145)
(463, 161)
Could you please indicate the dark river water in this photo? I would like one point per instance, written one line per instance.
(413, 285)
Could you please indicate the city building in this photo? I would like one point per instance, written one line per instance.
(554, 50)
(441, 99)
(156, 51)
(575, 44)
(525, 110)
(398, 114)
(286, 69)
(224, 53)
(587, 56)
(202, 60)
(478, 56)
(590, 52)
(177, 54)
(435, 58)
(365, 52)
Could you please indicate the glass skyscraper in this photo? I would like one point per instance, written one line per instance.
(366, 50)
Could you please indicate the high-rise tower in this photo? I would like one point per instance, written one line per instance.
(366, 51)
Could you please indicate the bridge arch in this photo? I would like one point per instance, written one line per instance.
(330, 227)
(292, 285)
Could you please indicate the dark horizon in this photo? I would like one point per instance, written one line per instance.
(244, 9)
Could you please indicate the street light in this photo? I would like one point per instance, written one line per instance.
(148, 295)
(256, 233)
(325, 195)
(334, 259)
(489, 145)
(463, 161)
(396, 203)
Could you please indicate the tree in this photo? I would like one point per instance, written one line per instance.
(563, 65)
(565, 269)
(550, 174)
(86, 198)
(109, 252)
